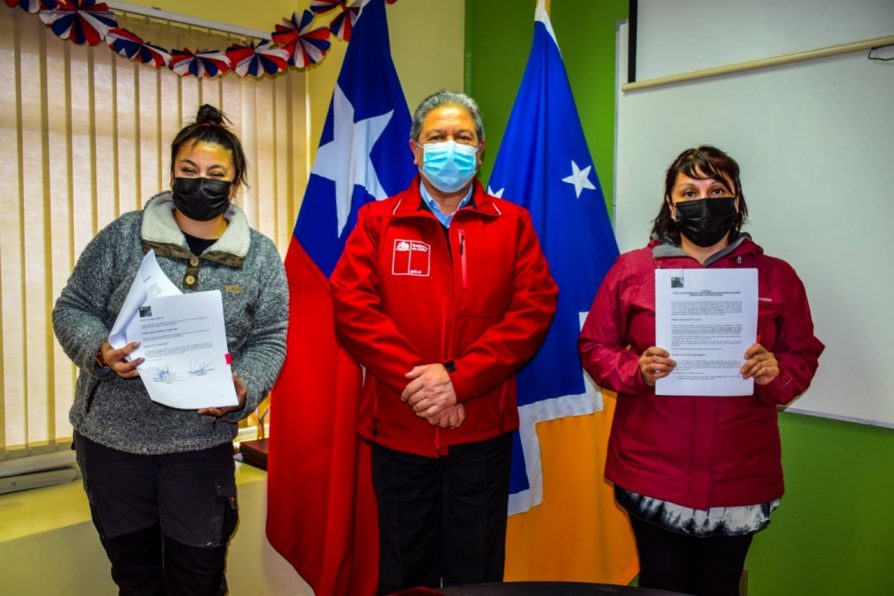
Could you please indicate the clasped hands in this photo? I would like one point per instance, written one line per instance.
(431, 395)
(116, 360)
(760, 364)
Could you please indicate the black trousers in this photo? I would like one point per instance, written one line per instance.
(164, 520)
(442, 521)
(709, 566)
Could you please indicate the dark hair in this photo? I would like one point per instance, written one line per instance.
(700, 163)
(211, 127)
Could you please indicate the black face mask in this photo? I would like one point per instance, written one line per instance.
(201, 199)
(706, 222)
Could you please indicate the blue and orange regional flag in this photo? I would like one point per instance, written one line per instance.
(544, 164)
(320, 509)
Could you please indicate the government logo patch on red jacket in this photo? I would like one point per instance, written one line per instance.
(411, 257)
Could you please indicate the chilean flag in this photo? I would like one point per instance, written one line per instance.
(321, 512)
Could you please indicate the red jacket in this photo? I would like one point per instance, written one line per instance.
(696, 451)
(406, 293)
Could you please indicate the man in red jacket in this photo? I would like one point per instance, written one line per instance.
(442, 293)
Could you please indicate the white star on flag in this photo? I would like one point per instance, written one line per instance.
(579, 178)
(355, 139)
(496, 193)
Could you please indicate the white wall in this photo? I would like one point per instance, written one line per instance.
(685, 35)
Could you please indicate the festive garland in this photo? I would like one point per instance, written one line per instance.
(294, 43)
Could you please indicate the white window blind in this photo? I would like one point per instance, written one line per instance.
(84, 137)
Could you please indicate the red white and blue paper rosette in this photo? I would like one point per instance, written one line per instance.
(32, 6)
(306, 46)
(324, 6)
(294, 43)
(258, 59)
(132, 46)
(343, 24)
(80, 21)
(199, 64)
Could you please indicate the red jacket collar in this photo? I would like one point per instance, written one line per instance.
(408, 202)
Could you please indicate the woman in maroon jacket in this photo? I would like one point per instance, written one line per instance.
(697, 475)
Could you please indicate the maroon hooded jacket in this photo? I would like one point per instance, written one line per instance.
(698, 452)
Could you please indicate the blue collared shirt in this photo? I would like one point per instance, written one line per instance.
(436, 209)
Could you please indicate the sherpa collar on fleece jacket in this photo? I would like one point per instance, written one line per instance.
(161, 233)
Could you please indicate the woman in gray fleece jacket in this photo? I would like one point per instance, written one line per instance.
(160, 481)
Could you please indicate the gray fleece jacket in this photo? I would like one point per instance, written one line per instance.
(243, 264)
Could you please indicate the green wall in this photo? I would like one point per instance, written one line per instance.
(498, 40)
(834, 532)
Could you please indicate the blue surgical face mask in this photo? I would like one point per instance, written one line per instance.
(449, 165)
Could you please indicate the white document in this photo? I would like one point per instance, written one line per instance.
(149, 282)
(184, 343)
(706, 319)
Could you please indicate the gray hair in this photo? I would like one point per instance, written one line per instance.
(444, 98)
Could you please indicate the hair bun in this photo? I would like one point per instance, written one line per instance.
(208, 114)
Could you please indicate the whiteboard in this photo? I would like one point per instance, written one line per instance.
(686, 35)
(815, 142)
